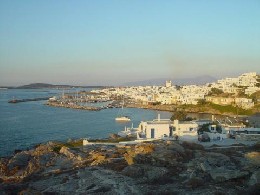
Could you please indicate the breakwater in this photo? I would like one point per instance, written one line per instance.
(73, 106)
(28, 100)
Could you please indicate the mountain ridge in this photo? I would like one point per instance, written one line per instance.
(47, 85)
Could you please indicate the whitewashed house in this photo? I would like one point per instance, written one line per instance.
(161, 128)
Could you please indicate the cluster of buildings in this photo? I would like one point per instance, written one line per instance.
(191, 94)
(191, 130)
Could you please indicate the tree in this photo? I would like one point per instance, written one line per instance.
(179, 115)
(255, 96)
(201, 102)
(216, 91)
(178, 87)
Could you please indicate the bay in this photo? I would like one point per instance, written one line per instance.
(23, 125)
(26, 124)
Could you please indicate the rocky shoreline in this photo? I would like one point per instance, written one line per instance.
(158, 167)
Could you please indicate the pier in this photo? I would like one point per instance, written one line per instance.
(73, 106)
(28, 100)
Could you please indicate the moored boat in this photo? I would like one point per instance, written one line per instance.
(123, 119)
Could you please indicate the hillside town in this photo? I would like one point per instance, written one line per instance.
(237, 91)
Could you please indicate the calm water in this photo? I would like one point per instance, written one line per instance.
(25, 124)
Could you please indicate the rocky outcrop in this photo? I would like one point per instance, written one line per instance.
(158, 167)
(146, 173)
(85, 181)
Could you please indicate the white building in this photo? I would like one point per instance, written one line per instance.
(160, 128)
(168, 83)
(251, 90)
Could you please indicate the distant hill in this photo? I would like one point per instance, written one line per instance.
(200, 80)
(41, 85)
(46, 85)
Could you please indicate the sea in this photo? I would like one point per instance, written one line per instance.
(25, 124)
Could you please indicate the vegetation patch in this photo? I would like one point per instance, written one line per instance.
(71, 144)
(230, 109)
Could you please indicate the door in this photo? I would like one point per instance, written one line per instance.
(152, 133)
(172, 129)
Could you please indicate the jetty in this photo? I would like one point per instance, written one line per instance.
(27, 100)
(73, 106)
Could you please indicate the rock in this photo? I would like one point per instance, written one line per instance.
(133, 171)
(174, 146)
(19, 160)
(220, 175)
(217, 159)
(155, 173)
(255, 178)
(205, 167)
(253, 157)
(146, 172)
(194, 182)
(165, 158)
(46, 158)
(139, 154)
(116, 164)
(114, 136)
(129, 157)
(3, 167)
(72, 154)
(86, 181)
(192, 146)
(98, 158)
(144, 148)
(57, 164)
(42, 149)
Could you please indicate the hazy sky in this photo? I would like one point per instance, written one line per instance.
(93, 42)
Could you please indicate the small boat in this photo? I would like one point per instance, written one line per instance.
(120, 117)
(123, 119)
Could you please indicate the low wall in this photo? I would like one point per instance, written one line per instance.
(248, 137)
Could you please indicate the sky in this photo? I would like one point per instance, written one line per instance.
(109, 42)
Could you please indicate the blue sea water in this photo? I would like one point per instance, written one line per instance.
(23, 125)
